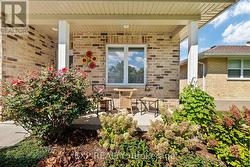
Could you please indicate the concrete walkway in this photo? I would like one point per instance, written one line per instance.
(11, 134)
(92, 122)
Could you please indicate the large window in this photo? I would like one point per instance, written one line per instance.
(126, 65)
(239, 69)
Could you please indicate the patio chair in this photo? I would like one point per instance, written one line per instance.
(151, 99)
(126, 100)
(106, 103)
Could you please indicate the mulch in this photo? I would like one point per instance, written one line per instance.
(80, 148)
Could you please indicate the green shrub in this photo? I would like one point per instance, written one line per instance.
(229, 138)
(133, 154)
(47, 102)
(192, 160)
(116, 129)
(25, 154)
(195, 106)
(174, 139)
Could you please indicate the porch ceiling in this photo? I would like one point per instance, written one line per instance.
(133, 29)
(109, 15)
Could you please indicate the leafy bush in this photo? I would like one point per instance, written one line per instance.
(116, 129)
(26, 153)
(133, 153)
(174, 139)
(196, 160)
(229, 138)
(47, 102)
(195, 106)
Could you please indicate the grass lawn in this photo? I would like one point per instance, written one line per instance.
(25, 154)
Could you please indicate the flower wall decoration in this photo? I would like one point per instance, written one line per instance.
(89, 60)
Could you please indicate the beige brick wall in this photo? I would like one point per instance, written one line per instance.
(221, 88)
(217, 84)
(23, 53)
(162, 58)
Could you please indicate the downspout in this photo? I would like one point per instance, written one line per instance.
(203, 76)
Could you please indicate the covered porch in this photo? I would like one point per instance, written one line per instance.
(135, 43)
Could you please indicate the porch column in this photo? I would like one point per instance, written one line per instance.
(192, 52)
(63, 44)
(1, 67)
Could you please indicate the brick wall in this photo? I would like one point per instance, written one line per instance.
(221, 88)
(23, 53)
(162, 58)
(216, 83)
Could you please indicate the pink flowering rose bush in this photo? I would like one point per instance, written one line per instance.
(45, 103)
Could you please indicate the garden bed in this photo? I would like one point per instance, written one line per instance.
(78, 148)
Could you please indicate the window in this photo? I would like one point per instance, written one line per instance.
(126, 65)
(239, 69)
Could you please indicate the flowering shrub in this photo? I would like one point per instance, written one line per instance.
(116, 129)
(195, 106)
(229, 138)
(46, 102)
(173, 139)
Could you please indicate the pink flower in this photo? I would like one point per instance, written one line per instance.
(14, 82)
(228, 122)
(50, 69)
(64, 70)
(17, 82)
(235, 113)
(235, 151)
(247, 115)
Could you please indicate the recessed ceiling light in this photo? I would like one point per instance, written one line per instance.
(126, 26)
(54, 29)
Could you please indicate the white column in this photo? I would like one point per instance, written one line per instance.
(192, 52)
(1, 67)
(63, 44)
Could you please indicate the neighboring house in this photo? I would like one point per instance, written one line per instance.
(224, 72)
(135, 42)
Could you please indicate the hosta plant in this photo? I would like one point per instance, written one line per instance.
(116, 129)
(46, 102)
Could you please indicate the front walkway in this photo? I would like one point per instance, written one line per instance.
(11, 134)
(92, 122)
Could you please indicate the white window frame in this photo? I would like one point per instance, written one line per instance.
(241, 69)
(125, 74)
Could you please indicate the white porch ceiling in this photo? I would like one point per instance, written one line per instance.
(133, 29)
(141, 15)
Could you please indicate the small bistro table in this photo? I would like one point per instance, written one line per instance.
(125, 100)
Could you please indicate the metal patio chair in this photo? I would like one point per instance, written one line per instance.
(104, 102)
(151, 100)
